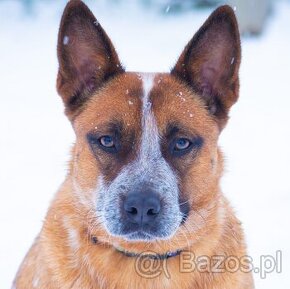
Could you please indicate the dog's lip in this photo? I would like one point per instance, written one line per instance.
(139, 235)
(148, 254)
(143, 236)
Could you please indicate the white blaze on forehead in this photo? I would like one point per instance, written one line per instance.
(148, 82)
(150, 135)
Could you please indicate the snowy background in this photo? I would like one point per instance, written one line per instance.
(35, 136)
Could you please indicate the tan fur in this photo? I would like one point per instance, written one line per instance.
(73, 250)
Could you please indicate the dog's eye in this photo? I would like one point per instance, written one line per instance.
(107, 141)
(182, 144)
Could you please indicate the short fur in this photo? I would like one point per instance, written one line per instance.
(79, 244)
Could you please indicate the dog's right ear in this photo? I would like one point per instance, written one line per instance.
(86, 56)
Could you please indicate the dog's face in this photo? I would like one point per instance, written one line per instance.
(146, 163)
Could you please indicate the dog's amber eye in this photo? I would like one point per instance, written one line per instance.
(107, 141)
(182, 144)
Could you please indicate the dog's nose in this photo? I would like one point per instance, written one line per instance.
(142, 207)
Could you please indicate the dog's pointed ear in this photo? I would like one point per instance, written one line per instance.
(86, 56)
(210, 63)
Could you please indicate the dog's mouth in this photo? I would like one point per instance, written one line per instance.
(145, 254)
(140, 236)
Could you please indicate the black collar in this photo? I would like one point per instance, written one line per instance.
(150, 255)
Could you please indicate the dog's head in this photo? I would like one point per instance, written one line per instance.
(146, 164)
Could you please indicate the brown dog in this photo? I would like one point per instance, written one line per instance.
(141, 207)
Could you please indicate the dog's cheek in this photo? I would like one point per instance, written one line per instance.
(200, 183)
(85, 169)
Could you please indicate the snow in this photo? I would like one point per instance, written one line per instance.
(65, 40)
(36, 137)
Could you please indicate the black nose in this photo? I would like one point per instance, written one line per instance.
(142, 207)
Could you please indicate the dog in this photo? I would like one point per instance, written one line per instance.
(142, 189)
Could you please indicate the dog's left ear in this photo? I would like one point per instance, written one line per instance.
(86, 56)
(210, 63)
